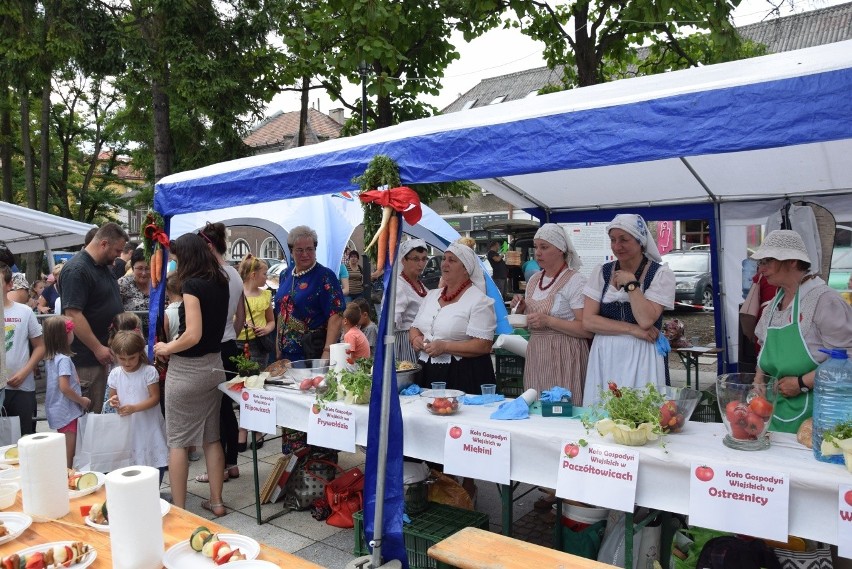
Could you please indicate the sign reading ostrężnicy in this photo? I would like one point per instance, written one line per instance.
(739, 500)
(257, 411)
(332, 427)
(602, 475)
(477, 453)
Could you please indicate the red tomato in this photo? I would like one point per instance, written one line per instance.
(571, 450)
(739, 432)
(306, 384)
(754, 424)
(736, 412)
(456, 432)
(761, 406)
(317, 380)
(704, 473)
(36, 561)
(848, 497)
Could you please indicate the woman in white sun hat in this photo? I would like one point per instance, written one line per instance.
(805, 316)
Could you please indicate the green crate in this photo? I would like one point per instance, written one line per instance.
(426, 529)
(707, 410)
(508, 364)
(510, 386)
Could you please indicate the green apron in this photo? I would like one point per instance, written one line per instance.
(784, 354)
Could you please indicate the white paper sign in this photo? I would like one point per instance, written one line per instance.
(477, 453)
(739, 500)
(332, 427)
(257, 411)
(844, 522)
(602, 475)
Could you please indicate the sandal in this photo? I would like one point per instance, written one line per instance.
(204, 478)
(233, 472)
(218, 510)
(258, 444)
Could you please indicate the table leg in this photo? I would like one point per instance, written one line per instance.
(256, 478)
(628, 540)
(506, 491)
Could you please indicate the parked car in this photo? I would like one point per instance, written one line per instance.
(432, 272)
(692, 274)
(841, 269)
(273, 274)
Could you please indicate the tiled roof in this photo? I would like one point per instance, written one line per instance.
(807, 29)
(281, 130)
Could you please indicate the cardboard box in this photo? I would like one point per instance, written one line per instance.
(513, 258)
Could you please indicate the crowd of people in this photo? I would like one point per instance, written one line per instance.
(584, 332)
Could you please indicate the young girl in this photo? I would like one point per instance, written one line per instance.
(134, 390)
(63, 400)
(123, 321)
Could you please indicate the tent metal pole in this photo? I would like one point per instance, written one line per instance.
(381, 459)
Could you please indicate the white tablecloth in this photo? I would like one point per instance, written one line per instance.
(663, 480)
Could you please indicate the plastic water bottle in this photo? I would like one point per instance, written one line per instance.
(749, 270)
(832, 398)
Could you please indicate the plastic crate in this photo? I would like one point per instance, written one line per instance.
(707, 410)
(508, 364)
(510, 386)
(438, 522)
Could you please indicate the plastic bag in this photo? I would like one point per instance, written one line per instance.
(446, 490)
(646, 541)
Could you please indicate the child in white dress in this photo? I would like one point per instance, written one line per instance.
(134, 390)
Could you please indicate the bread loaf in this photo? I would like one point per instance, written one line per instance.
(805, 433)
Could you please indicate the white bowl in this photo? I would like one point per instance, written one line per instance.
(10, 475)
(8, 493)
(517, 320)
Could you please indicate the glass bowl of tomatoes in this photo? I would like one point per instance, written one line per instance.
(746, 406)
(676, 410)
(442, 401)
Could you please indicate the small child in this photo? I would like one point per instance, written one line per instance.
(64, 402)
(171, 318)
(368, 327)
(134, 390)
(359, 347)
(123, 322)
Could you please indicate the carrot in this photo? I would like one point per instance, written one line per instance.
(386, 211)
(382, 250)
(393, 232)
(156, 266)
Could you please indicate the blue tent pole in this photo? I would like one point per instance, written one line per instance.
(381, 461)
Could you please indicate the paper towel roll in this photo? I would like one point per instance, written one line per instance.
(44, 475)
(512, 342)
(337, 357)
(530, 396)
(135, 521)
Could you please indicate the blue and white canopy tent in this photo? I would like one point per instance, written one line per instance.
(730, 143)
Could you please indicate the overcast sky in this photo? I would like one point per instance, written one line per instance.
(499, 52)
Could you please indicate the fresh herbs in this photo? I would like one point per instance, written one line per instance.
(245, 366)
(625, 409)
(328, 393)
(839, 432)
(351, 385)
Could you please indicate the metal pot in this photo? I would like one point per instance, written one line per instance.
(417, 496)
(406, 377)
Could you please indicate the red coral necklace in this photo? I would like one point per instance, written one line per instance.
(550, 284)
(416, 285)
(451, 297)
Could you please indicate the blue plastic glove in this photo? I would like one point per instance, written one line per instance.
(406, 519)
(555, 393)
(482, 399)
(412, 389)
(663, 346)
(512, 410)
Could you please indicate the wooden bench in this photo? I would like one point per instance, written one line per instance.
(474, 548)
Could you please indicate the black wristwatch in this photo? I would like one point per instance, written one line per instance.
(632, 285)
(804, 388)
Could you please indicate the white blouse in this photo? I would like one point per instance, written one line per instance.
(408, 303)
(661, 291)
(568, 298)
(470, 316)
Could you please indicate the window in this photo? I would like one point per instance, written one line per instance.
(468, 104)
(270, 249)
(239, 249)
(499, 99)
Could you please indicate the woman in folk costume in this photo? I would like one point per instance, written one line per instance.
(558, 350)
(624, 307)
(410, 293)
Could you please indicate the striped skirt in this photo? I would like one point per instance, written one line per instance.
(557, 359)
(404, 349)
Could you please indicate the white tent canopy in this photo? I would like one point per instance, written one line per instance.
(26, 230)
(671, 146)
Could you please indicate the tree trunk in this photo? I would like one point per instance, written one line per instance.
(303, 114)
(26, 147)
(585, 54)
(6, 144)
(162, 132)
(44, 178)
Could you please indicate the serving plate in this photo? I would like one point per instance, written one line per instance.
(87, 559)
(164, 509)
(16, 523)
(4, 460)
(80, 493)
(182, 556)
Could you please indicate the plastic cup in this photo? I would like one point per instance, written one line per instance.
(439, 387)
(489, 388)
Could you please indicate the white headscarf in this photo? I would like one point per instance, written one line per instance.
(558, 236)
(470, 262)
(636, 226)
(404, 249)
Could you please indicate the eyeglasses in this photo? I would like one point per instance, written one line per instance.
(306, 251)
(142, 269)
(416, 259)
(765, 261)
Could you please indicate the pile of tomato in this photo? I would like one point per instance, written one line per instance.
(443, 406)
(748, 421)
(671, 419)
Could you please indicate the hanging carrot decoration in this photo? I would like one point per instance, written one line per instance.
(393, 236)
(386, 214)
(156, 265)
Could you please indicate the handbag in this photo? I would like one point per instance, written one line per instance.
(345, 497)
(313, 343)
(104, 442)
(308, 483)
(265, 343)
(10, 428)
(749, 311)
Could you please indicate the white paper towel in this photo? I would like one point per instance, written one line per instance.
(530, 396)
(44, 475)
(135, 521)
(512, 342)
(337, 357)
